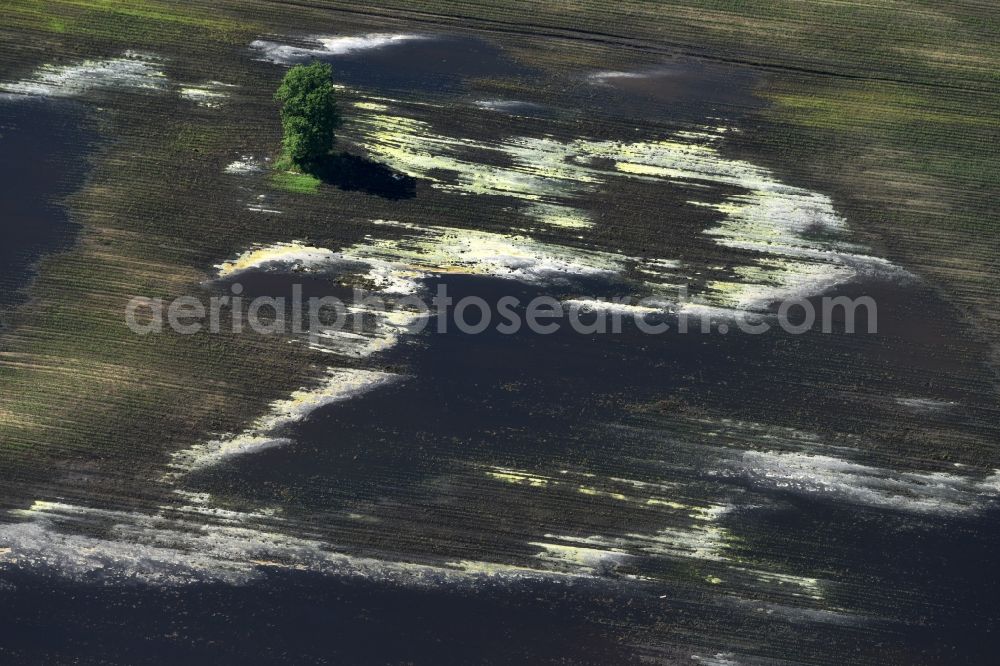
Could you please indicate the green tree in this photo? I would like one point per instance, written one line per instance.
(309, 113)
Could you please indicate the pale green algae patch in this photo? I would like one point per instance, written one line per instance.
(434, 249)
(396, 266)
(536, 170)
(125, 21)
(691, 533)
(291, 254)
(798, 232)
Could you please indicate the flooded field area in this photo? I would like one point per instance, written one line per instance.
(42, 158)
(401, 490)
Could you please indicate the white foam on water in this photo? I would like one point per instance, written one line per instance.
(507, 105)
(695, 541)
(354, 339)
(210, 95)
(442, 250)
(925, 405)
(585, 305)
(244, 166)
(706, 542)
(580, 559)
(172, 547)
(388, 330)
(717, 659)
(803, 586)
(293, 255)
(258, 208)
(823, 475)
(397, 265)
(350, 44)
(604, 77)
(286, 54)
(337, 385)
(138, 72)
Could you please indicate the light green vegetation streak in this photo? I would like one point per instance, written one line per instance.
(140, 21)
(292, 181)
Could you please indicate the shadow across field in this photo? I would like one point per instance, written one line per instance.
(356, 173)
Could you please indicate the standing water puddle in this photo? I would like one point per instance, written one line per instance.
(528, 491)
(43, 148)
(400, 62)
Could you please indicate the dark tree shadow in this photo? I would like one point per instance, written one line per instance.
(356, 173)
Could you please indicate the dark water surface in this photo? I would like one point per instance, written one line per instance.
(680, 89)
(425, 64)
(43, 148)
(399, 474)
(899, 579)
(907, 587)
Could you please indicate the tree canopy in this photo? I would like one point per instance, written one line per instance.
(309, 114)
